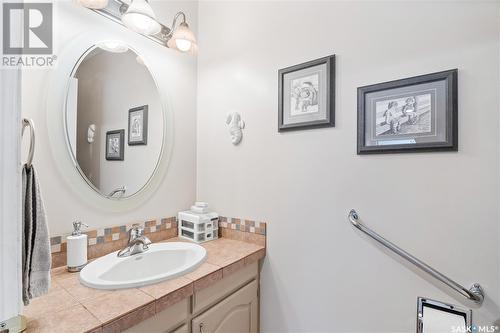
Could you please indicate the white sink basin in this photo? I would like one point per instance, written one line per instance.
(161, 262)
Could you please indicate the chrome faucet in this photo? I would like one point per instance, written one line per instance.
(137, 242)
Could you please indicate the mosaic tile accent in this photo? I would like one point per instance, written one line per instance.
(112, 234)
(243, 230)
(243, 225)
(106, 240)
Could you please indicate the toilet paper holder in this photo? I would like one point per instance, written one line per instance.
(450, 311)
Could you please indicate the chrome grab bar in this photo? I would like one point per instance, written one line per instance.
(475, 293)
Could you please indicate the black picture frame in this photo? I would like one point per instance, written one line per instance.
(144, 141)
(450, 77)
(121, 155)
(330, 98)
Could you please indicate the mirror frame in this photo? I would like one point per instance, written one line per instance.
(68, 58)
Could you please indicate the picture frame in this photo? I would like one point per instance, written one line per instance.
(138, 126)
(416, 114)
(306, 95)
(115, 145)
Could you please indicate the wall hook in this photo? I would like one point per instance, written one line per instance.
(235, 125)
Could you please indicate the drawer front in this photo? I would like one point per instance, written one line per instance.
(224, 287)
(235, 314)
(164, 321)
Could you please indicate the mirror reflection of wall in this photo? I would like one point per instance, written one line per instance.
(105, 88)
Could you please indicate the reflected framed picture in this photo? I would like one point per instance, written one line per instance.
(115, 141)
(417, 114)
(138, 126)
(307, 95)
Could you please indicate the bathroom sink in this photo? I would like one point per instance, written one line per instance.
(161, 262)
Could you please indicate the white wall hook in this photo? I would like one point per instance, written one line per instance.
(235, 125)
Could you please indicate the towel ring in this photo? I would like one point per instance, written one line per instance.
(29, 123)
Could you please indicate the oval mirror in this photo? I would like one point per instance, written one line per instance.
(114, 120)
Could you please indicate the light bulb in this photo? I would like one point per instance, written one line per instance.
(183, 44)
(182, 39)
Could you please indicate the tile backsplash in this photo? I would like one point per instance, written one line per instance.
(106, 240)
(104, 235)
(243, 225)
(244, 230)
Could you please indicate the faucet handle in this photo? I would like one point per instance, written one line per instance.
(136, 231)
(140, 229)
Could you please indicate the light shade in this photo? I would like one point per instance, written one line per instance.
(93, 4)
(183, 39)
(140, 18)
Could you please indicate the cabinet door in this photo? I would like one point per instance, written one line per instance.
(235, 314)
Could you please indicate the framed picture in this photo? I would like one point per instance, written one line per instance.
(138, 126)
(307, 95)
(115, 141)
(417, 114)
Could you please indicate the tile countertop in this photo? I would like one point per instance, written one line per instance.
(71, 307)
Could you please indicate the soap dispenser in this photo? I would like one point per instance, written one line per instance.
(76, 248)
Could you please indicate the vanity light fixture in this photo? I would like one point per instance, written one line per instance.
(181, 38)
(93, 4)
(141, 18)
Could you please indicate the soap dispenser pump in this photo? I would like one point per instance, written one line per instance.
(77, 248)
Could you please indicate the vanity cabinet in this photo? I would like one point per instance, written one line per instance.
(230, 305)
(236, 313)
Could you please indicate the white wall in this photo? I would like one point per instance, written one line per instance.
(176, 75)
(321, 275)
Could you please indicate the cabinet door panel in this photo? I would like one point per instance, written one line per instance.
(235, 314)
(164, 321)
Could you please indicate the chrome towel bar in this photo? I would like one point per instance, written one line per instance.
(29, 123)
(475, 293)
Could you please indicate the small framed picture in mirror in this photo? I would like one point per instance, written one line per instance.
(138, 126)
(115, 141)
